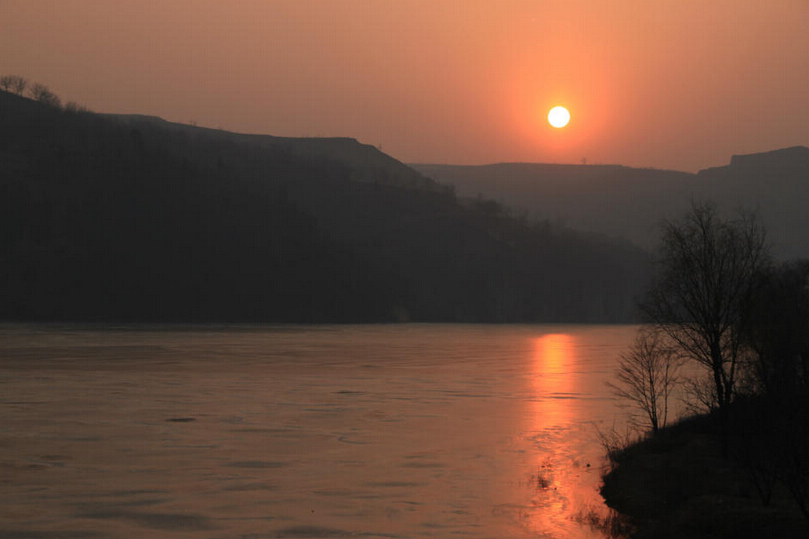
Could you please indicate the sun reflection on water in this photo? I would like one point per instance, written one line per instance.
(553, 385)
(562, 482)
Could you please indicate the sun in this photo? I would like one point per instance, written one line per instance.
(558, 117)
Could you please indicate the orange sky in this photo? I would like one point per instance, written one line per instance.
(669, 84)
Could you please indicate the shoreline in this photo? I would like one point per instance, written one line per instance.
(678, 484)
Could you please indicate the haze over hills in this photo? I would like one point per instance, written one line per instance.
(131, 218)
(776, 183)
(629, 203)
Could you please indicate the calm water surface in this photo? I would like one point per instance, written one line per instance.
(328, 431)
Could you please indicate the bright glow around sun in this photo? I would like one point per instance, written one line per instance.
(558, 117)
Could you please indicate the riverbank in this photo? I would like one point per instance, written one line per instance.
(678, 484)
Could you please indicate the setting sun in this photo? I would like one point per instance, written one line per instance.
(558, 117)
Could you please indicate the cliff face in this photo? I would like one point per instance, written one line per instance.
(795, 158)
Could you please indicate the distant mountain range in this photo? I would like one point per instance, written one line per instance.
(630, 203)
(131, 218)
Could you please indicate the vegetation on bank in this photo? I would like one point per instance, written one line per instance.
(678, 484)
(741, 468)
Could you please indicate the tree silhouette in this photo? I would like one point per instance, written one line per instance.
(774, 440)
(646, 376)
(13, 83)
(43, 94)
(777, 330)
(703, 282)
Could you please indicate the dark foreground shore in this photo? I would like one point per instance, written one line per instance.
(678, 484)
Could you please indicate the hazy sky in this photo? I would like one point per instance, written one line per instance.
(670, 84)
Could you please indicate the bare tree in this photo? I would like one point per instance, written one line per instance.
(18, 85)
(75, 108)
(43, 94)
(646, 376)
(704, 278)
(699, 393)
(38, 91)
(13, 83)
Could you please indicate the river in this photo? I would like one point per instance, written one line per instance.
(480, 431)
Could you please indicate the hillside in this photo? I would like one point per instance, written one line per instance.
(366, 162)
(132, 218)
(629, 203)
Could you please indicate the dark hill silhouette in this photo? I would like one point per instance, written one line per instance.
(133, 218)
(629, 203)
